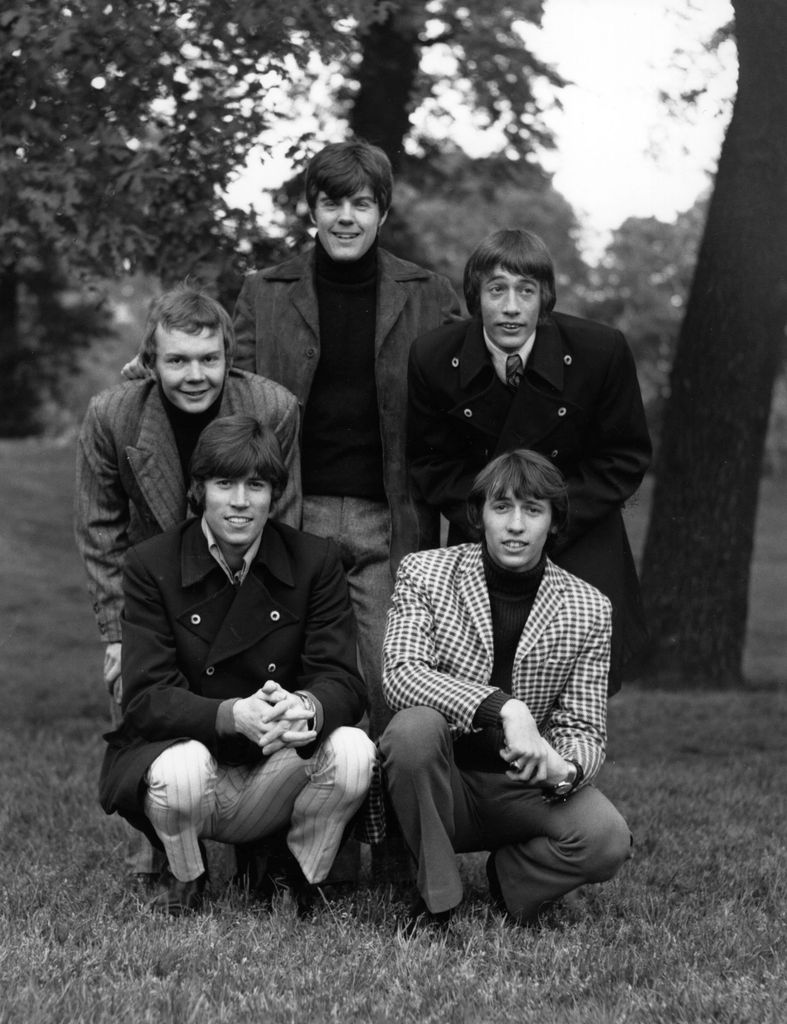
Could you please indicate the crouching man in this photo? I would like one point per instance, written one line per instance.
(240, 682)
(496, 663)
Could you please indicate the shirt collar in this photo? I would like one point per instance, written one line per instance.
(499, 357)
(249, 555)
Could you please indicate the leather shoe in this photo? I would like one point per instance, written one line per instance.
(181, 897)
(420, 919)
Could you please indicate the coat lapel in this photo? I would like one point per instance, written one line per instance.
(391, 300)
(303, 296)
(155, 464)
(475, 596)
(545, 608)
(233, 621)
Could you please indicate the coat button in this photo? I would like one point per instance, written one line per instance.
(275, 616)
(196, 619)
(209, 670)
(272, 666)
(468, 413)
(455, 362)
(567, 360)
(553, 454)
(310, 353)
(561, 411)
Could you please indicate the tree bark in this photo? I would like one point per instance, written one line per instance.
(386, 78)
(698, 552)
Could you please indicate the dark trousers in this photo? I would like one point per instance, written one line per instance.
(542, 850)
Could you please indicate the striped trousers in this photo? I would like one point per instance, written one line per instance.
(191, 796)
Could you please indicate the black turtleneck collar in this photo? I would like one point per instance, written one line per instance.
(506, 581)
(187, 426)
(346, 271)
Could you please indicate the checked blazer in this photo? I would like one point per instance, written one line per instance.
(438, 650)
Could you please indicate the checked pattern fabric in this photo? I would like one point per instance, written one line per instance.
(438, 650)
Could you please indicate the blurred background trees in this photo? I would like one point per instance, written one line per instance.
(122, 128)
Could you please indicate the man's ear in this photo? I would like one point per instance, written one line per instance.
(383, 218)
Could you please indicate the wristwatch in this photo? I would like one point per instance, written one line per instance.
(571, 781)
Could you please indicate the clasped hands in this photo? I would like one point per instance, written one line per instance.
(530, 758)
(273, 718)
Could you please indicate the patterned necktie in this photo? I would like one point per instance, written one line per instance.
(514, 368)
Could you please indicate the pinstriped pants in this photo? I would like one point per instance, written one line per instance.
(191, 797)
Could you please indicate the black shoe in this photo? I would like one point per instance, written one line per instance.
(495, 892)
(181, 897)
(421, 920)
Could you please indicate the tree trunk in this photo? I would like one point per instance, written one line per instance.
(697, 556)
(18, 397)
(386, 78)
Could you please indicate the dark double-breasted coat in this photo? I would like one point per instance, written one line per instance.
(192, 640)
(578, 403)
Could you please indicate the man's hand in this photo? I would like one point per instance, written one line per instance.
(526, 750)
(112, 678)
(273, 718)
(134, 370)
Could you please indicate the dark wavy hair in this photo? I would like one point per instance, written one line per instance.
(517, 251)
(343, 168)
(187, 309)
(524, 474)
(235, 448)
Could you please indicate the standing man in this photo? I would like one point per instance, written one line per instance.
(334, 326)
(496, 661)
(241, 683)
(518, 375)
(136, 442)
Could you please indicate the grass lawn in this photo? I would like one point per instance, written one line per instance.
(693, 930)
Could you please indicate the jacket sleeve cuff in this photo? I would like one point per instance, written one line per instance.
(488, 711)
(225, 720)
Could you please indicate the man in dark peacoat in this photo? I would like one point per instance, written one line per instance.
(227, 645)
(574, 398)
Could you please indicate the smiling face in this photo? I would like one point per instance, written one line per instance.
(190, 367)
(510, 307)
(236, 512)
(516, 530)
(347, 227)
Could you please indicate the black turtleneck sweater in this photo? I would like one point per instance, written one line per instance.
(511, 597)
(341, 445)
(187, 427)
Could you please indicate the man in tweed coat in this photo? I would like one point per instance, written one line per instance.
(495, 662)
(137, 438)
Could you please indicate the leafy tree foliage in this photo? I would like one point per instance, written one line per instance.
(641, 285)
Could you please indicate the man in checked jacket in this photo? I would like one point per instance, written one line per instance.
(495, 662)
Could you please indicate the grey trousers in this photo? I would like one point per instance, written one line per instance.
(541, 850)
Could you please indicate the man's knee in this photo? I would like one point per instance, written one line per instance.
(609, 846)
(181, 775)
(348, 756)
(414, 737)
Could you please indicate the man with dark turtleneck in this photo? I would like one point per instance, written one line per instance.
(495, 661)
(136, 443)
(334, 326)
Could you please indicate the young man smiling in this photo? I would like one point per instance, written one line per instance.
(241, 685)
(335, 325)
(519, 374)
(136, 442)
(495, 662)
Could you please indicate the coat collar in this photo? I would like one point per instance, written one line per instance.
(392, 272)
(196, 561)
(475, 595)
(546, 357)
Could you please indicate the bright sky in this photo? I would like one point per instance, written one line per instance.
(618, 153)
